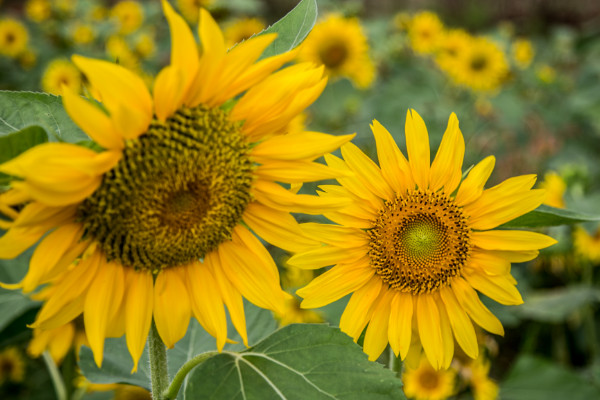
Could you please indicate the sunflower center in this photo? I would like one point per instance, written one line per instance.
(419, 242)
(176, 194)
(478, 63)
(429, 379)
(334, 55)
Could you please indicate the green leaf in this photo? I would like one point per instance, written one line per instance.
(556, 305)
(534, 378)
(292, 29)
(299, 361)
(19, 110)
(549, 216)
(13, 304)
(117, 364)
(16, 143)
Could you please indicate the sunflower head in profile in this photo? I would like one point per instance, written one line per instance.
(340, 45)
(481, 67)
(241, 29)
(416, 242)
(12, 365)
(522, 52)
(157, 224)
(427, 383)
(59, 74)
(13, 37)
(425, 32)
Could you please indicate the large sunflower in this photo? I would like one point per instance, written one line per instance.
(156, 224)
(415, 242)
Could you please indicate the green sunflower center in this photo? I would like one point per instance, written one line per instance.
(334, 54)
(176, 194)
(419, 242)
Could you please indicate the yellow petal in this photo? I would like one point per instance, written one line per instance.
(394, 166)
(102, 301)
(428, 322)
(366, 171)
(211, 36)
(242, 237)
(472, 187)
(446, 168)
(504, 209)
(497, 287)
(172, 309)
(376, 337)
(489, 263)
(461, 323)
(139, 302)
(359, 309)
(298, 146)
(512, 256)
(417, 145)
(92, 120)
(276, 227)
(336, 283)
(168, 92)
(400, 326)
(469, 301)
(511, 240)
(446, 332)
(339, 236)
(296, 171)
(325, 256)
(207, 304)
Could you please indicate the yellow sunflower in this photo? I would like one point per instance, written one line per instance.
(586, 245)
(129, 16)
(415, 243)
(190, 9)
(38, 10)
(157, 225)
(428, 383)
(425, 31)
(555, 189)
(12, 365)
(294, 314)
(452, 44)
(61, 73)
(341, 46)
(546, 74)
(241, 29)
(119, 50)
(82, 33)
(481, 67)
(482, 386)
(13, 37)
(57, 341)
(522, 52)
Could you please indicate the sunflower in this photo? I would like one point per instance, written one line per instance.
(452, 44)
(242, 29)
(586, 245)
(294, 314)
(156, 225)
(12, 365)
(427, 383)
(425, 31)
(482, 386)
(119, 50)
(129, 16)
(190, 9)
(341, 46)
(13, 37)
(61, 73)
(481, 67)
(555, 189)
(38, 10)
(522, 52)
(415, 242)
(82, 33)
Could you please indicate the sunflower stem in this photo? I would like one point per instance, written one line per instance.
(59, 384)
(175, 385)
(159, 373)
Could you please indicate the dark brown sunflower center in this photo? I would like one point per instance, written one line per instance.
(429, 379)
(419, 242)
(478, 63)
(176, 194)
(334, 55)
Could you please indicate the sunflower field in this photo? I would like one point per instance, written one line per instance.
(299, 199)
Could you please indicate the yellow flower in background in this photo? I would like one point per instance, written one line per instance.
(129, 16)
(402, 21)
(144, 45)
(586, 245)
(482, 386)
(555, 189)
(427, 383)
(120, 391)
(546, 74)
(294, 314)
(452, 44)
(57, 341)
(38, 10)
(415, 243)
(61, 72)
(98, 12)
(12, 366)
(341, 46)
(190, 9)
(82, 33)
(242, 29)
(425, 32)
(157, 225)
(119, 51)
(27, 59)
(65, 6)
(481, 67)
(522, 52)
(13, 37)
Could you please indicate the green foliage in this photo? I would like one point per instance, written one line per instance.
(558, 304)
(549, 216)
(299, 361)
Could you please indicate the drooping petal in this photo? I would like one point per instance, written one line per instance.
(139, 302)
(446, 167)
(242, 237)
(428, 322)
(326, 255)
(417, 145)
(498, 287)
(400, 325)
(172, 309)
(461, 323)
(339, 236)
(359, 308)
(446, 333)
(469, 301)
(376, 337)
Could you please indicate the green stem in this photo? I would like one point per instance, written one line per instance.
(59, 384)
(173, 389)
(159, 373)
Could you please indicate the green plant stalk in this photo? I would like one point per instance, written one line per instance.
(175, 385)
(59, 384)
(159, 373)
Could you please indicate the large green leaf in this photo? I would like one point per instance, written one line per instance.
(13, 304)
(293, 28)
(556, 305)
(549, 216)
(19, 110)
(16, 143)
(534, 378)
(117, 364)
(300, 361)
